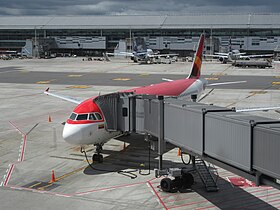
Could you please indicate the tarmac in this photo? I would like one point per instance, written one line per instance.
(31, 144)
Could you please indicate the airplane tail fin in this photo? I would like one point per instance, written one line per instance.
(196, 66)
(139, 44)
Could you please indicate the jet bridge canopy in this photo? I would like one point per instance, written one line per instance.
(245, 144)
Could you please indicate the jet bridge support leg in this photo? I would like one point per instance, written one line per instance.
(161, 141)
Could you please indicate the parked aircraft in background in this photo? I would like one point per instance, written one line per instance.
(142, 54)
(86, 124)
(236, 55)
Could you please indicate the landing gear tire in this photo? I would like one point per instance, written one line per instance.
(97, 158)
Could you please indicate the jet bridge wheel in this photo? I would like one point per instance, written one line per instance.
(165, 184)
(187, 181)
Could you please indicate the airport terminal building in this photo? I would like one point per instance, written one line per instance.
(92, 35)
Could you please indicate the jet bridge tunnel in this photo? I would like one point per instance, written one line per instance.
(244, 144)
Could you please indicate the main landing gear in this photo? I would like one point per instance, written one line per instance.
(97, 157)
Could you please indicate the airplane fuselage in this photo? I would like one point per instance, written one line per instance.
(86, 124)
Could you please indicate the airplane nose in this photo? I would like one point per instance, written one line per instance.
(72, 134)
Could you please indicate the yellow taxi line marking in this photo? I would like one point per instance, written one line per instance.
(46, 81)
(212, 78)
(144, 74)
(79, 86)
(43, 82)
(275, 83)
(34, 185)
(121, 79)
(277, 77)
(70, 173)
(253, 93)
(258, 92)
(75, 75)
(24, 71)
(43, 188)
(218, 74)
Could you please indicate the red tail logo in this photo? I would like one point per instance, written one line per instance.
(196, 67)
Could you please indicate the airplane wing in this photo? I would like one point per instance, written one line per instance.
(164, 55)
(167, 80)
(258, 109)
(217, 56)
(222, 54)
(225, 83)
(66, 98)
(256, 56)
(121, 54)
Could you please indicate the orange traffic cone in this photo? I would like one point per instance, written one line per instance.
(179, 152)
(50, 119)
(53, 177)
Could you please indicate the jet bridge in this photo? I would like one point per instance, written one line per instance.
(241, 143)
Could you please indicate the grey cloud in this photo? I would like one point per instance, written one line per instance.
(123, 7)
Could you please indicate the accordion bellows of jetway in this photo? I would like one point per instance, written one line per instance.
(246, 144)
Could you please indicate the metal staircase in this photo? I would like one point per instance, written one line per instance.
(205, 175)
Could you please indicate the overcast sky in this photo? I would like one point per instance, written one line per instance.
(131, 7)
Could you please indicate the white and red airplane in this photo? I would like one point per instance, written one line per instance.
(86, 124)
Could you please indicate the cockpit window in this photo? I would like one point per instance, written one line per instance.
(73, 116)
(98, 116)
(82, 117)
(92, 117)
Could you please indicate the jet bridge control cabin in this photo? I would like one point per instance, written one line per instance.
(244, 144)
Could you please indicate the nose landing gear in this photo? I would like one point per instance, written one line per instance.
(97, 157)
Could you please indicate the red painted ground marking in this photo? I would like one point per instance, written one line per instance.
(108, 188)
(9, 175)
(181, 199)
(241, 182)
(265, 202)
(188, 204)
(16, 128)
(24, 141)
(225, 172)
(258, 190)
(162, 203)
(246, 199)
(23, 148)
(21, 158)
(153, 182)
(38, 191)
(73, 194)
(167, 196)
(218, 195)
(207, 207)
(152, 179)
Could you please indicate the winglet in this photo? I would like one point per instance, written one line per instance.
(47, 90)
(196, 66)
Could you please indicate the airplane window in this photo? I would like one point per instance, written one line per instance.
(98, 116)
(82, 117)
(72, 116)
(92, 117)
